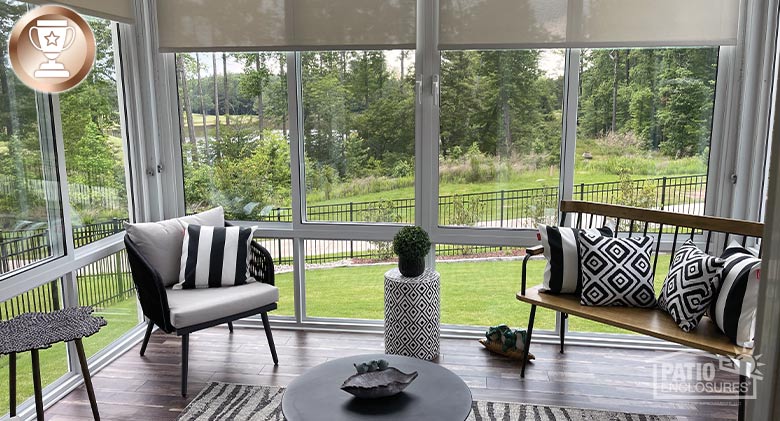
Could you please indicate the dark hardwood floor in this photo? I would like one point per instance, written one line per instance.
(147, 388)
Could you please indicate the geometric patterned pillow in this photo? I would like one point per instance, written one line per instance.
(561, 250)
(616, 271)
(690, 286)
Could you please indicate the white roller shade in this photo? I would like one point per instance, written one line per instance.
(117, 10)
(586, 23)
(279, 25)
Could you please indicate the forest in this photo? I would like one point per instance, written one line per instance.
(90, 135)
(500, 121)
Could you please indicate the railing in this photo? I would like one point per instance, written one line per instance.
(520, 208)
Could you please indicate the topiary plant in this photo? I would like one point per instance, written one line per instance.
(411, 244)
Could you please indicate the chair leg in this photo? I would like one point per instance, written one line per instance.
(230, 326)
(562, 329)
(87, 379)
(270, 336)
(185, 345)
(528, 334)
(36, 371)
(12, 382)
(148, 334)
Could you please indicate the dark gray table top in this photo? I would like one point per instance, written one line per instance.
(436, 394)
(40, 330)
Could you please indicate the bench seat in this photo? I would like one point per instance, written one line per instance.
(651, 322)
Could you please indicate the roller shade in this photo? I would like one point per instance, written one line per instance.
(117, 10)
(467, 24)
(279, 25)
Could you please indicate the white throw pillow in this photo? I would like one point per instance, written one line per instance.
(160, 242)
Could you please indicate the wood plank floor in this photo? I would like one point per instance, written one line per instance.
(147, 388)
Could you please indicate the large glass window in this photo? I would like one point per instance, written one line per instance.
(30, 209)
(94, 153)
(478, 286)
(345, 279)
(234, 124)
(643, 133)
(500, 137)
(358, 129)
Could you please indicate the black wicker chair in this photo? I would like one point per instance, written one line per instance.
(154, 301)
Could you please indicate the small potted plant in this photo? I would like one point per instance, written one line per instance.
(411, 244)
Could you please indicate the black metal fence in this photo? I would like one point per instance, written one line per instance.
(520, 208)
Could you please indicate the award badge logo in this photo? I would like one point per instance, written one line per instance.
(52, 49)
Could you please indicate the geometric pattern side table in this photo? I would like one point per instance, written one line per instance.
(412, 315)
(35, 331)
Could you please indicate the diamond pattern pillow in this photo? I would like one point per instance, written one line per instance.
(616, 271)
(690, 286)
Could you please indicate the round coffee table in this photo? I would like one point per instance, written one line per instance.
(436, 394)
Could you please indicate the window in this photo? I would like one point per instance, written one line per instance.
(30, 201)
(500, 137)
(234, 124)
(107, 286)
(358, 130)
(644, 131)
(478, 285)
(281, 250)
(345, 279)
(92, 135)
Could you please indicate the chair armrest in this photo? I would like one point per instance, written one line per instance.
(529, 252)
(149, 287)
(261, 265)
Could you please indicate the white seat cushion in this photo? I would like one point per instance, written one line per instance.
(195, 306)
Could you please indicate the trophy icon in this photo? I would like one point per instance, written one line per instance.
(52, 37)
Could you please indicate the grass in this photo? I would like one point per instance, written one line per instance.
(480, 293)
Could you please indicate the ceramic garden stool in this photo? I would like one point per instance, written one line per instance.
(36, 331)
(412, 314)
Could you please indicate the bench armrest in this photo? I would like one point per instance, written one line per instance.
(529, 252)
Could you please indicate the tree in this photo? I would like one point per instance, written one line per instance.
(184, 92)
(202, 105)
(216, 94)
(92, 158)
(227, 90)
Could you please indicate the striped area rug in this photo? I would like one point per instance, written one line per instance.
(236, 402)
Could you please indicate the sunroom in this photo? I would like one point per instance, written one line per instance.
(510, 133)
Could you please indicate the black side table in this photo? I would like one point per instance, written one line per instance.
(35, 331)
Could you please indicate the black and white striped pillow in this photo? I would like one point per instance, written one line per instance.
(734, 309)
(563, 273)
(214, 257)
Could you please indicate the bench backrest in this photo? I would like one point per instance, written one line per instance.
(713, 233)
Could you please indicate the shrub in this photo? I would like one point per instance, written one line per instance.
(411, 242)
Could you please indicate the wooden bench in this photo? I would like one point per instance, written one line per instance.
(669, 230)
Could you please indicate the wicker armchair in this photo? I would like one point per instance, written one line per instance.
(185, 311)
